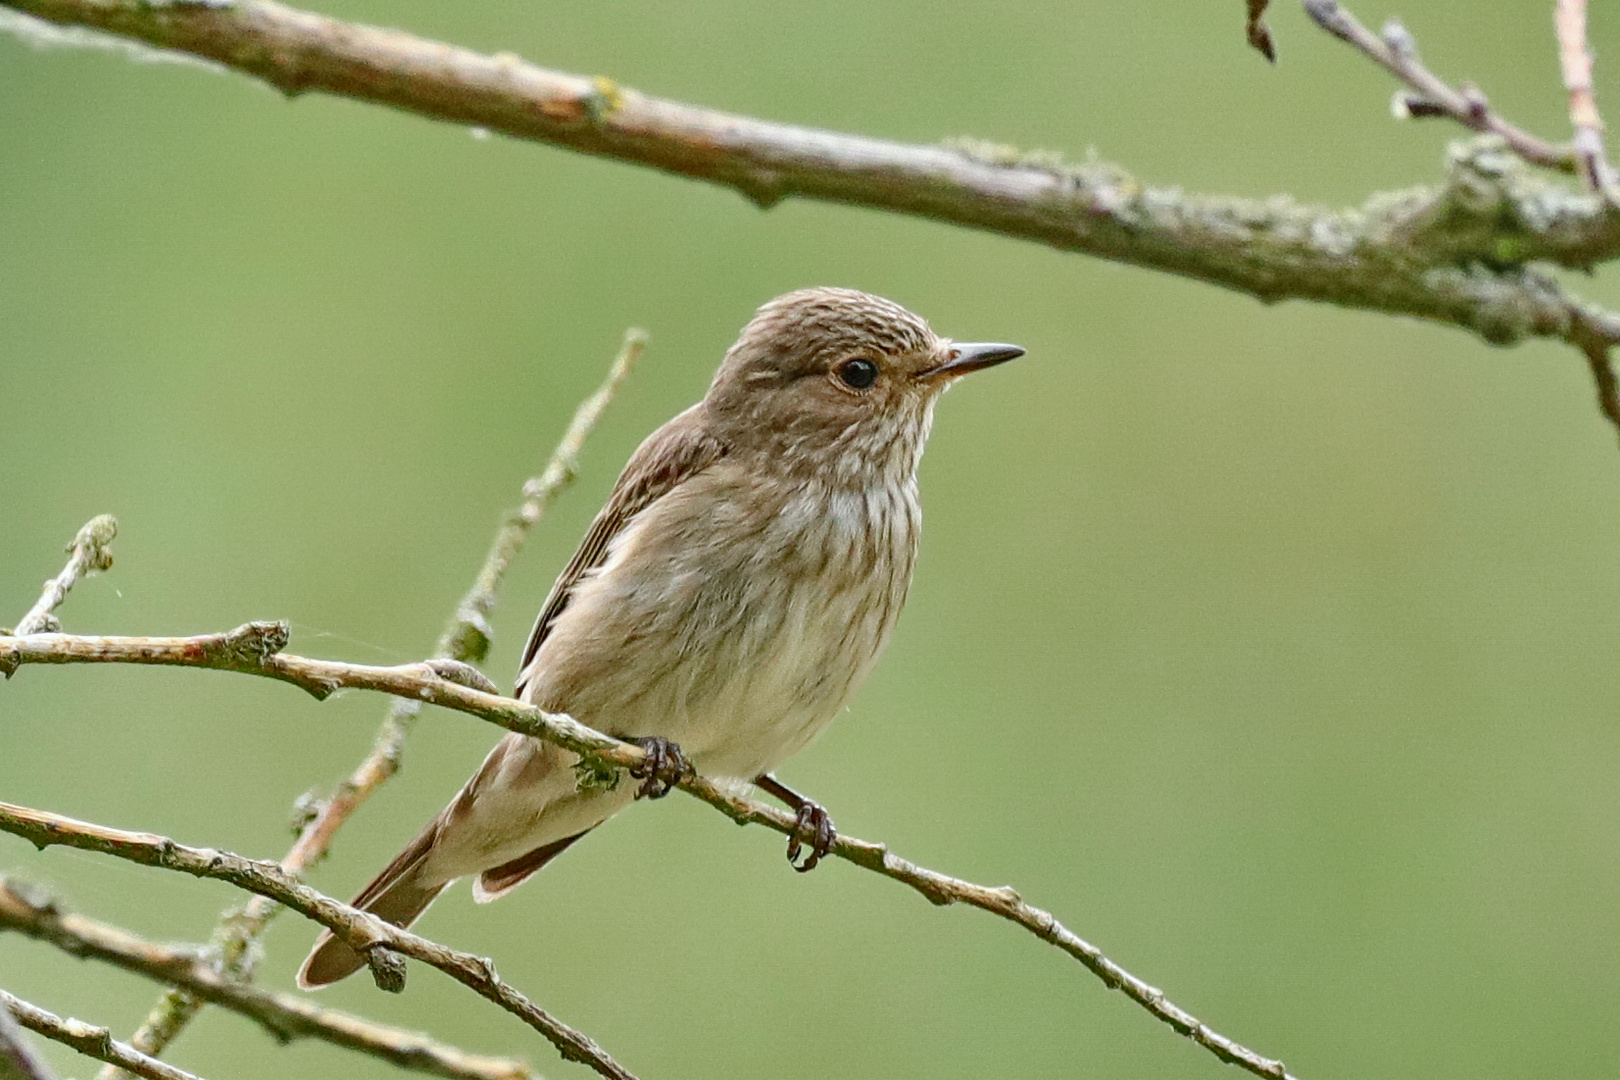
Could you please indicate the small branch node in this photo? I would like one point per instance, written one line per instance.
(1398, 39)
(97, 533)
(762, 188)
(305, 809)
(387, 969)
(461, 674)
(1406, 105)
(1329, 16)
(27, 896)
(470, 634)
(605, 99)
(251, 644)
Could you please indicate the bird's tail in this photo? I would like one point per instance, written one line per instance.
(398, 895)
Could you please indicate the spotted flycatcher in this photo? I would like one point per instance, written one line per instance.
(726, 603)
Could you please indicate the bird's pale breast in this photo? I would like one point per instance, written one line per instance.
(735, 616)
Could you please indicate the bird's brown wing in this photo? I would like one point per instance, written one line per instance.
(670, 456)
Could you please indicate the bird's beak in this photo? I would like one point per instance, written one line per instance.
(964, 358)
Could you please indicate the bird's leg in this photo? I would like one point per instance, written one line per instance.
(663, 767)
(814, 825)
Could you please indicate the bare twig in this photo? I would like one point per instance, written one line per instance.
(1397, 53)
(1608, 390)
(1380, 257)
(382, 943)
(465, 639)
(19, 1060)
(1590, 331)
(1575, 61)
(89, 1040)
(86, 553)
(1595, 334)
(26, 910)
(254, 648)
(1258, 33)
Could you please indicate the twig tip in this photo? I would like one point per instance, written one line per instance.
(1259, 35)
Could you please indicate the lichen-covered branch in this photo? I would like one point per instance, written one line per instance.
(381, 943)
(465, 639)
(89, 1040)
(27, 910)
(87, 552)
(1454, 254)
(255, 649)
(1589, 329)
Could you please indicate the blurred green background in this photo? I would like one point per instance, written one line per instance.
(1269, 648)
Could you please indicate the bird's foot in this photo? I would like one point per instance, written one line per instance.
(814, 826)
(663, 767)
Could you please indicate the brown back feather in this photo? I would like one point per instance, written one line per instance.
(671, 455)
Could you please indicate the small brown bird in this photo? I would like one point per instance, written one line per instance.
(726, 603)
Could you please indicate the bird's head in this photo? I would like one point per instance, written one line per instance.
(838, 382)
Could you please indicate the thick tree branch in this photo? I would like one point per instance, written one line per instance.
(87, 552)
(1589, 329)
(254, 649)
(1453, 254)
(24, 909)
(89, 1040)
(381, 942)
(465, 640)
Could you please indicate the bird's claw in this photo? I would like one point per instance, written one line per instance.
(813, 826)
(663, 767)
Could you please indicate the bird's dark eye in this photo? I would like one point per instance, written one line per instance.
(858, 373)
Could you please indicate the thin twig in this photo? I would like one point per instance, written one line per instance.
(1603, 378)
(25, 909)
(254, 649)
(18, 1059)
(1396, 52)
(1375, 257)
(86, 553)
(465, 639)
(380, 942)
(1258, 33)
(1575, 61)
(1591, 331)
(1595, 334)
(89, 1040)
